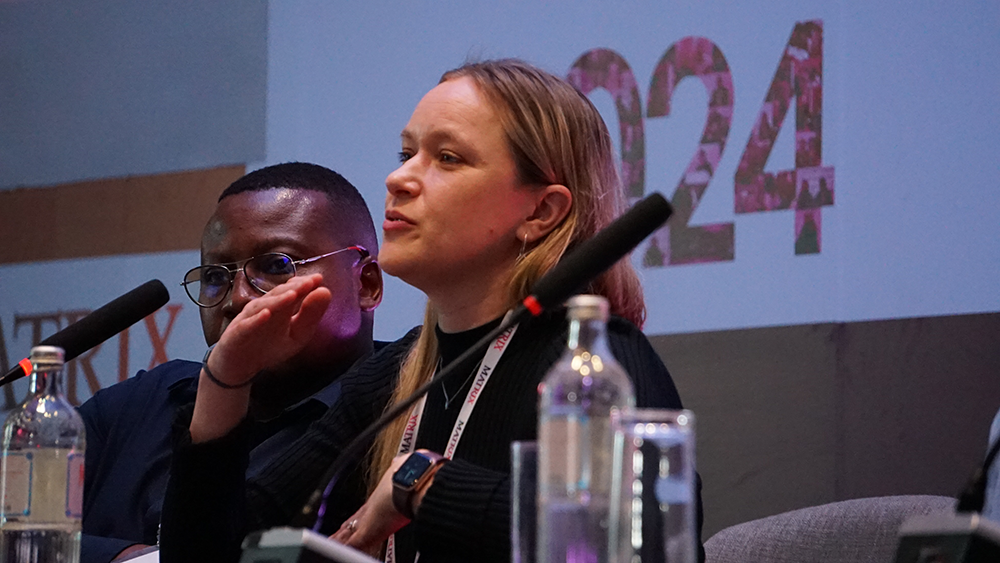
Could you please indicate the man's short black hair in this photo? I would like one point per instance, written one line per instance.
(345, 199)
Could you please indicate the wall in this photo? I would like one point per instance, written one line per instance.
(120, 124)
(789, 417)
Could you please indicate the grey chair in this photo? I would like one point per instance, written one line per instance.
(850, 531)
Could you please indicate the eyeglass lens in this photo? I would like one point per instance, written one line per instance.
(208, 285)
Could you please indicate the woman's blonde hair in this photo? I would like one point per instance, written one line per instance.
(556, 136)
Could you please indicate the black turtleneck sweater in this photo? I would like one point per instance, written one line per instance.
(465, 514)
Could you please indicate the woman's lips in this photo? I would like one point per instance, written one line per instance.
(395, 221)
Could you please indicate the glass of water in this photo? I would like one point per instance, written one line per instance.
(654, 512)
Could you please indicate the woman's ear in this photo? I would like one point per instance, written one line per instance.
(552, 205)
(370, 292)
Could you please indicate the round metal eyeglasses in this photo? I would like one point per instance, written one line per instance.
(209, 285)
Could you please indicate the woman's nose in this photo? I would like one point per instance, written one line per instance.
(404, 180)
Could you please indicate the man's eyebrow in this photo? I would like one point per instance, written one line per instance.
(264, 246)
(277, 240)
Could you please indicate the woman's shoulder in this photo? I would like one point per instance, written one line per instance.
(554, 321)
(624, 327)
(629, 343)
(655, 387)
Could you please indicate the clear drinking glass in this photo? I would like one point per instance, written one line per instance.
(655, 513)
(523, 503)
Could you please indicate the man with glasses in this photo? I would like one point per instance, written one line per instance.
(269, 226)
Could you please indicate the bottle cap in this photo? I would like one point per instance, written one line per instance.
(588, 307)
(47, 357)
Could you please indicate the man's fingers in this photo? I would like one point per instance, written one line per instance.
(310, 312)
(285, 296)
(273, 302)
(245, 327)
(272, 327)
(283, 301)
(301, 284)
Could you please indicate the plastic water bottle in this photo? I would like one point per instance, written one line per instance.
(42, 470)
(576, 440)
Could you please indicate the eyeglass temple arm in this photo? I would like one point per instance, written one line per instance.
(361, 250)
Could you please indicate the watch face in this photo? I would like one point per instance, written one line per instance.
(411, 470)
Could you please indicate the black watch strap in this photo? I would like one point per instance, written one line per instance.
(401, 500)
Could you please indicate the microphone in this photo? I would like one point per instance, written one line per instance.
(291, 545)
(573, 272)
(100, 325)
(948, 538)
(599, 253)
(973, 497)
(964, 537)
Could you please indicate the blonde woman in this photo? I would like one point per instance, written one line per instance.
(503, 167)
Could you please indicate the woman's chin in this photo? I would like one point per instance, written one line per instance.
(398, 264)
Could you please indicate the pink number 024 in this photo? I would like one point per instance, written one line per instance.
(806, 189)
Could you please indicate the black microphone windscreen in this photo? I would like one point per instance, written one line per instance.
(599, 253)
(110, 319)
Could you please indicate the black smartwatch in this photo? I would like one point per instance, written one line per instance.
(415, 473)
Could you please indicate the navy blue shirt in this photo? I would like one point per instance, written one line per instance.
(129, 446)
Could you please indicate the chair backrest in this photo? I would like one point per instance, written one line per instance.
(850, 531)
